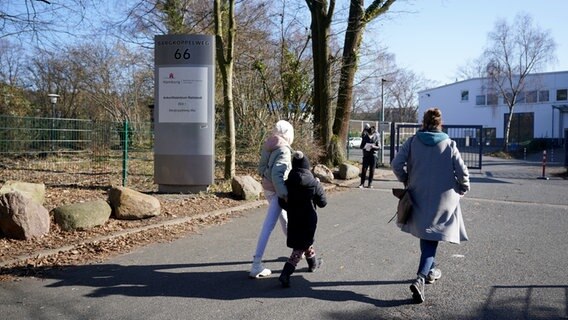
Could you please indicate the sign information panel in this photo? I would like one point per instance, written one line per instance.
(184, 112)
(183, 94)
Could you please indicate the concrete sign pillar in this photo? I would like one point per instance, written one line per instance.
(184, 113)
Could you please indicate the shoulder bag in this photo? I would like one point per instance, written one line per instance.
(404, 207)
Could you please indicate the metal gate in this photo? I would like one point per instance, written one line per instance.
(469, 140)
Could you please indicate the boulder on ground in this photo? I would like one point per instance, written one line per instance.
(348, 171)
(21, 217)
(246, 188)
(128, 204)
(34, 191)
(82, 216)
(323, 173)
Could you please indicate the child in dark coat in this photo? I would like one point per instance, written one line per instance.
(305, 192)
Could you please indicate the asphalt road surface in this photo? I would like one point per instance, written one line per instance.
(513, 267)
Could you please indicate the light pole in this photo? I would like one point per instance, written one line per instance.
(383, 99)
(53, 99)
(382, 119)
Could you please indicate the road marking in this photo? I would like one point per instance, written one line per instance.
(563, 206)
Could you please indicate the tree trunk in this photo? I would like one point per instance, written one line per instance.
(224, 57)
(508, 130)
(351, 47)
(358, 19)
(320, 27)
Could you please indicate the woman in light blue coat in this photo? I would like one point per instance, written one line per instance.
(431, 166)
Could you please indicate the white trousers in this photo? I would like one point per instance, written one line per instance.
(274, 213)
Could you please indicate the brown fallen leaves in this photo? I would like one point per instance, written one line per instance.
(82, 247)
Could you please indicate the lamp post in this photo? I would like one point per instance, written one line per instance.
(53, 99)
(382, 119)
(383, 99)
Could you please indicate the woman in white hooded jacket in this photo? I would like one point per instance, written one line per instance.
(275, 163)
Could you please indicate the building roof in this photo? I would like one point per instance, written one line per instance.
(481, 78)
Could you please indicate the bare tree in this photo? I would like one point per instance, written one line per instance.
(358, 19)
(513, 53)
(322, 13)
(13, 98)
(96, 81)
(146, 18)
(402, 89)
(471, 69)
(42, 20)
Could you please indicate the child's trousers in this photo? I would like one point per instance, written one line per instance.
(296, 255)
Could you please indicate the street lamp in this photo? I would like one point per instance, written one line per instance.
(53, 99)
(382, 119)
(383, 99)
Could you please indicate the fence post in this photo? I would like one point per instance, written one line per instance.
(125, 153)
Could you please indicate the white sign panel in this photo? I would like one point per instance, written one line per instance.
(182, 94)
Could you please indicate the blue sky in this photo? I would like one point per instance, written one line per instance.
(434, 38)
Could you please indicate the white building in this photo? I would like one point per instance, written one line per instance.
(541, 110)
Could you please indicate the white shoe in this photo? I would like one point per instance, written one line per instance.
(433, 275)
(258, 271)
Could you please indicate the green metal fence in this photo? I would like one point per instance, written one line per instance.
(76, 152)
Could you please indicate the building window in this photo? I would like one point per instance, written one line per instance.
(522, 127)
(531, 96)
(465, 95)
(492, 99)
(562, 95)
(543, 96)
(480, 100)
(521, 97)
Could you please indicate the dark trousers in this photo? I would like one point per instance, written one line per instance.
(369, 162)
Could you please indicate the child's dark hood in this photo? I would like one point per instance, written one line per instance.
(300, 161)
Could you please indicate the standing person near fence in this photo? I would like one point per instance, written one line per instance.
(305, 193)
(274, 165)
(370, 145)
(437, 178)
(365, 129)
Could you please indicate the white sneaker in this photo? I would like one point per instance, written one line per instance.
(433, 275)
(258, 271)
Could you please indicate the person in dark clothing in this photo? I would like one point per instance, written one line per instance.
(370, 145)
(305, 192)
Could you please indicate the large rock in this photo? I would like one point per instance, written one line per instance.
(323, 173)
(21, 217)
(82, 216)
(246, 188)
(348, 171)
(34, 191)
(128, 204)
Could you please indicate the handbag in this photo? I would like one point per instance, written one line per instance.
(404, 207)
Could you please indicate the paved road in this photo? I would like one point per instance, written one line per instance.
(514, 267)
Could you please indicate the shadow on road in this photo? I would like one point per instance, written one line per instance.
(185, 280)
(524, 302)
(195, 281)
